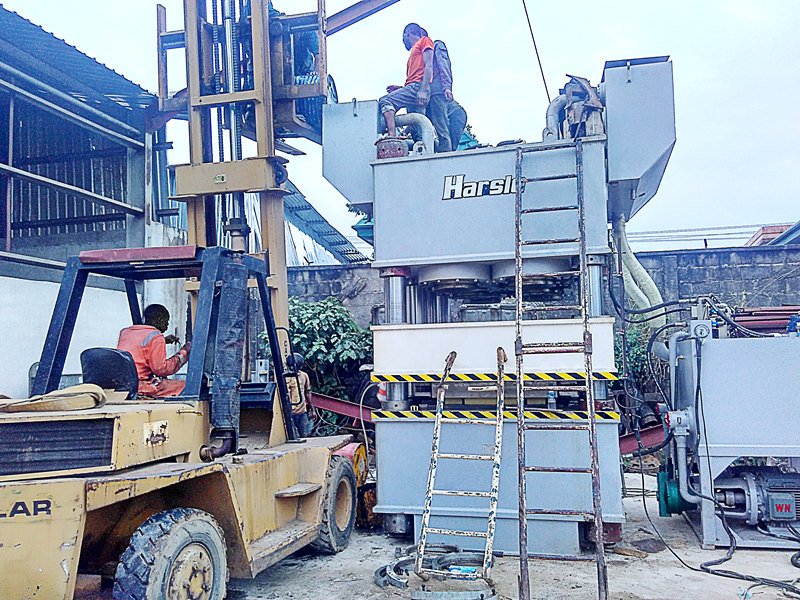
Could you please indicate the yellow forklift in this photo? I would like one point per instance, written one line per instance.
(172, 497)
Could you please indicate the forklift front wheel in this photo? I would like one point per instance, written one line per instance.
(177, 553)
(339, 508)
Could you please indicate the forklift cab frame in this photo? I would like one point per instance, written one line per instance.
(215, 363)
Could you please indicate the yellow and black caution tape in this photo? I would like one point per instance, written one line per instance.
(574, 415)
(477, 377)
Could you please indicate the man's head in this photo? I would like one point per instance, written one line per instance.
(156, 316)
(294, 363)
(412, 34)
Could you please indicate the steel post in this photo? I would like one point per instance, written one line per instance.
(394, 298)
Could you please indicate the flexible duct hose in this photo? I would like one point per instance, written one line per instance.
(638, 273)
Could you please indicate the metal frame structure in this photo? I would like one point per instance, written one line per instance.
(568, 347)
(220, 272)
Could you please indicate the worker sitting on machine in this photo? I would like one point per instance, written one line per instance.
(414, 95)
(147, 344)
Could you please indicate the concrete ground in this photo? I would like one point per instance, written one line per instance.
(652, 574)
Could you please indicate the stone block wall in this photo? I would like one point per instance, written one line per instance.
(357, 286)
(747, 276)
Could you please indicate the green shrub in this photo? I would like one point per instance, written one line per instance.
(333, 344)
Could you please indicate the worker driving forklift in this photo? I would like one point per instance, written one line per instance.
(203, 479)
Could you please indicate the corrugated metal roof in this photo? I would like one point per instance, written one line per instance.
(790, 236)
(40, 54)
(308, 220)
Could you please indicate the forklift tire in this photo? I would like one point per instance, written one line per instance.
(176, 553)
(339, 508)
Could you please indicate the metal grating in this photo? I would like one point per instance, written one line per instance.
(41, 446)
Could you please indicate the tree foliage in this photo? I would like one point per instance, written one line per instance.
(637, 336)
(333, 344)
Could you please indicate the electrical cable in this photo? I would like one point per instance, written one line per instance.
(649, 356)
(536, 49)
(360, 412)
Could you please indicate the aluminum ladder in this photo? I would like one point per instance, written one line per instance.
(484, 571)
(544, 348)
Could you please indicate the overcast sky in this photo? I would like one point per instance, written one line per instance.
(737, 82)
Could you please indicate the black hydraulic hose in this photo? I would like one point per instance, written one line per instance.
(640, 311)
(644, 451)
(736, 325)
(649, 357)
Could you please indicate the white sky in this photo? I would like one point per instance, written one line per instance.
(737, 82)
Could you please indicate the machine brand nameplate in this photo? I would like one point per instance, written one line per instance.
(33, 508)
(455, 187)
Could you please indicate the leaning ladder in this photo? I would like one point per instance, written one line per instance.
(484, 571)
(548, 348)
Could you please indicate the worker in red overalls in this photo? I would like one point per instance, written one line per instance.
(148, 346)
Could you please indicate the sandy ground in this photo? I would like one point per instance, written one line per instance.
(349, 575)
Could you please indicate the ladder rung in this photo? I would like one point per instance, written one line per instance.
(585, 558)
(554, 348)
(550, 241)
(552, 344)
(553, 308)
(477, 534)
(561, 513)
(528, 211)
(461, 493)
(469, 421)
(551, 178)
(467, 456)
(555, 388)
(555, 427)
(553, 274)
(538, 469)
(478, 574)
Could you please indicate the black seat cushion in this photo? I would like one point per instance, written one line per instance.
(111, 369)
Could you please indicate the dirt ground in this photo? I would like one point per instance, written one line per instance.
(657, 576)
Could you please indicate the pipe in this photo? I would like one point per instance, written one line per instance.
(683, 475)
(639, 274)
(550, 132)
(423, 124)
(67, 98)
(673, 360)
(209, 453)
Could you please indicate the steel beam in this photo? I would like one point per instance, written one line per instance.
(71, 189)
(67, 98)
(71, 116)
(355, 13)
(9, 213)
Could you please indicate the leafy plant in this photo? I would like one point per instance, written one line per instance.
(333, 344)
(636, 337)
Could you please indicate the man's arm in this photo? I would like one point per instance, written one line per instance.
(160, 365)
(307, 389)
(424, 93)
(444, 68)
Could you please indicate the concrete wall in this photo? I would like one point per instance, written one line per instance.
(28, 295)
(25, 310)
(358, 286)
(752, 276)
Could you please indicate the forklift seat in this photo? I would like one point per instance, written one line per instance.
(111, 369)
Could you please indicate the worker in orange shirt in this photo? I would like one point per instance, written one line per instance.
(415, 94)
(148, 346)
